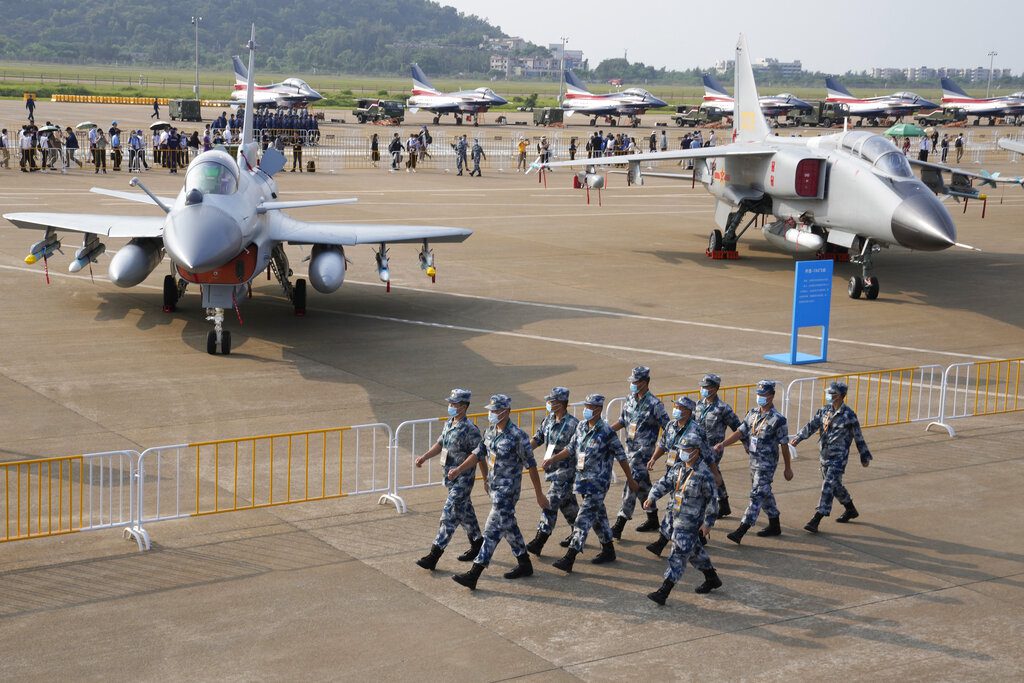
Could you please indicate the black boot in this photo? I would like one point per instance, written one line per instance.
(429, 561)
(566, 541)
(737, 535)
(773, 528)
(620, 524)
(658, 546)
(661, 595)
(606, 555)
(851, 513)
(812, 525)
(565, 564)
(651, 524)
(470, 578)
(723, 507)
(537, 544)
(711, 582)
(474, 549)
(524, 568)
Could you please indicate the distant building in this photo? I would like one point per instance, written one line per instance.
(724, 65)
(928, 74)
(573, 58)
(504, 59)
(784, 68)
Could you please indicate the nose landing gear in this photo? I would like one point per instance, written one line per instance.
(218, 340)
(866, 283)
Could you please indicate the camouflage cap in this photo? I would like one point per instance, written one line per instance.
(685, 402)
(640, 373)
(711, 380)
(688, 441)
(765, 387)
(558, 394)
(459, 396)
(838, 387)
(499, 402)
(594, 400)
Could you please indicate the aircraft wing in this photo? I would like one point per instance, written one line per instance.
(287, 229)
(731, 150)
(132, 196)
(1012, 145)
(111, 226)
(931, 169)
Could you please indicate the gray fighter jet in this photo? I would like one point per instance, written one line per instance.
(224, 228)
(848, 191)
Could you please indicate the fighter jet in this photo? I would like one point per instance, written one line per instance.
(226, 227)
(898, 104)
(851, 190)
(468, 103)
(953, 96)
(291, 92)
(715, 97)
(631, 102)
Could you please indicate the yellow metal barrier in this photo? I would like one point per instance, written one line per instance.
(42, 497)
(984, 388)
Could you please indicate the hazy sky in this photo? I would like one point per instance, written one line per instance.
(832, 37)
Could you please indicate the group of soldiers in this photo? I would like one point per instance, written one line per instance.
(578, 459)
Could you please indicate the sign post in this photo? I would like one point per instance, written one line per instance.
(812, 304)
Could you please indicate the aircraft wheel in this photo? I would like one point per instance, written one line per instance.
(437, 120)
(715, 241)
(613, 123)
(299, 297)
(170, 294)
(855, 287)
(871, 288)
(225, 342)
(211, 343)
(593, 122)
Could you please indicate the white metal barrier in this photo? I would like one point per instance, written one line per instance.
(980, 388)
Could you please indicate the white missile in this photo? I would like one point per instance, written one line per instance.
(86, 255)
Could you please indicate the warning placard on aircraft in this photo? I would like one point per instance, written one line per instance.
(812, 307)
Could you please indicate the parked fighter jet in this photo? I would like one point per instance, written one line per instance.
(898, 104)
(1011, 145)
(852, 190)
(631, 102)
(468, 103)
(715, 97)
(291, 92)
(224, 228)
(953, 96)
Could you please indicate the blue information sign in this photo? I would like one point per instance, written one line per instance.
(812, 305)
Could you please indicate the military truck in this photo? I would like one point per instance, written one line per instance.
(824, 114)
(547, 116)
(370, 110)
(185, 110)
(941, 117)
(696, 116)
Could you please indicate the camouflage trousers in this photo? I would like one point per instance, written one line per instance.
(592, 515)
(685, 546)
(761, 493)
(501, 523)
(458, 510)
(832, 484)
(638, 466)
(560, 497)
(722, 493)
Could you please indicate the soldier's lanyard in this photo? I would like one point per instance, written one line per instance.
(552, 442)
(634, 421)
(705, 410)
(671, 460)
(756, 430)
(827, 422)
(681, 486)
(581, 452)
(449, 426)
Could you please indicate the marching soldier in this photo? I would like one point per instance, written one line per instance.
(643, 415)
(555, 432)
(592, 448)
(503, 453)
(695, 507)
(837, 425)
(766, 433)
(457, 441)
(714, 415)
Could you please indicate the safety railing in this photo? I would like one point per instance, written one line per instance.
(980, 388)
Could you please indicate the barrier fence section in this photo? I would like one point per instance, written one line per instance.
(980, 388)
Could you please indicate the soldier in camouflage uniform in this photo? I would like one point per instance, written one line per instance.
(714, 415)
(695, 505)
(458, 439)
(643, 415)
(592, 449)
(554, 433)
(504, 452)
(766, 433)
(837, 425)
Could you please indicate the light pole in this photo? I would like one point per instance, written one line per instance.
(195, 22)
(991, 59)
(561, 70)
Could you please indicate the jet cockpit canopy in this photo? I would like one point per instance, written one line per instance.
(213, 172)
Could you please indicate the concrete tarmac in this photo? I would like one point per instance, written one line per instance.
(927, 584)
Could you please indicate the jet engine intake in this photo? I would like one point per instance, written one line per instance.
(327, 268)
(135, 261)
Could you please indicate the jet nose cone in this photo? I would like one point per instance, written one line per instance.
(201, 237)
(314, 96)
(800, 104)
(655, 102)
(921, 222)
(927, 104)
(498, 100)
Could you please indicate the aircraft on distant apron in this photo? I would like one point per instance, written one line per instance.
(631, 102)
(291, 92)
(954, 97)
(852, 191)
(468, 103)
(896, 105)
(717, 99)
(223, 229)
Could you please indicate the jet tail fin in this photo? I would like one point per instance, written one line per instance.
(951, 89)
(241, 74)
(247, 151)
(836, 89)
(748, 124)
(574, 85)
(421, 85)
(713, 88)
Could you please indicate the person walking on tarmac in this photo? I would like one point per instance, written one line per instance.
(837, 425)
(395, 149)
(503, 454)
(156, 109)
(477, 154)
(766, 433)
(554, 433)
(714, 415)
(643, 416)
(458, 439)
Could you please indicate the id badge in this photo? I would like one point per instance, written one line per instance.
(631, 430)
(550, 452)
(444, 456)
(491, 457)
(753, 444)
(671, 460)
(579, 461)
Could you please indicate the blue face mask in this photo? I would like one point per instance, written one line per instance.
(704, 393)
(762, 400)
(492, 417)
(829, 397)
(588, 414)
(550, 408)
(633, 387)
(677, 414)
(452, 411)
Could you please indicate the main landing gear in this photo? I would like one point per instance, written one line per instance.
(296, 293)
(866, 283)
(722, 244)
